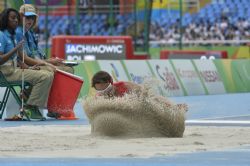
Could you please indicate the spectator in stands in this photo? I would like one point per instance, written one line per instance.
(29, 12)
(10, 53)
(221, 29)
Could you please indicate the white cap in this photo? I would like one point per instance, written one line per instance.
(28, 10)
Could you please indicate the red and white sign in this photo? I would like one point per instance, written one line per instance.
(169, 84)
(100, 47)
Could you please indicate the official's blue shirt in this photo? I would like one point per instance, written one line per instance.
(31, 43)
(7, 43)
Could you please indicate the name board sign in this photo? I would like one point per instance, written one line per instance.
(99, 51)
(94, 48)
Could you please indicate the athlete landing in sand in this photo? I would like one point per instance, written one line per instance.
(104, 86)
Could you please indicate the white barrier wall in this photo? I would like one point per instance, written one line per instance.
(138, 70)
(210, 76)
(169, 83)
(189, 77)
(114, 68)
(172, 77)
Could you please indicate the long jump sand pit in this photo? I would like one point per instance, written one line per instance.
(76, 141)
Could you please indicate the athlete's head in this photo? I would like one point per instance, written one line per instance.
(102, 82)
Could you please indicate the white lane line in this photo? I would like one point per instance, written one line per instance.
(223, 117)
(217, 122)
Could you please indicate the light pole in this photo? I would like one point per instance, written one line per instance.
(46, 27)
(111, 16)
(5, 4)
(180, 25)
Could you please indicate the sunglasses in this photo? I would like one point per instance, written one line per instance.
(30, 17)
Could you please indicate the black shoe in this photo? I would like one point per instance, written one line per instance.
(53, 115)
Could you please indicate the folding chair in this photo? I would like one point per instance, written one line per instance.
(10, 88)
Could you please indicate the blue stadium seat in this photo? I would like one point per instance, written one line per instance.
(103, 17)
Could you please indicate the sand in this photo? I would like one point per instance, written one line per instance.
(75, 141)
(133, 115)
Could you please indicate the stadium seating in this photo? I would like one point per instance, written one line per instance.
(96, 24)
(214, 13)
(99, 23)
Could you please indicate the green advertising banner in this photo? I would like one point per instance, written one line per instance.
(242, 68)
(230, 76)
(80, 71)
(86, 70)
